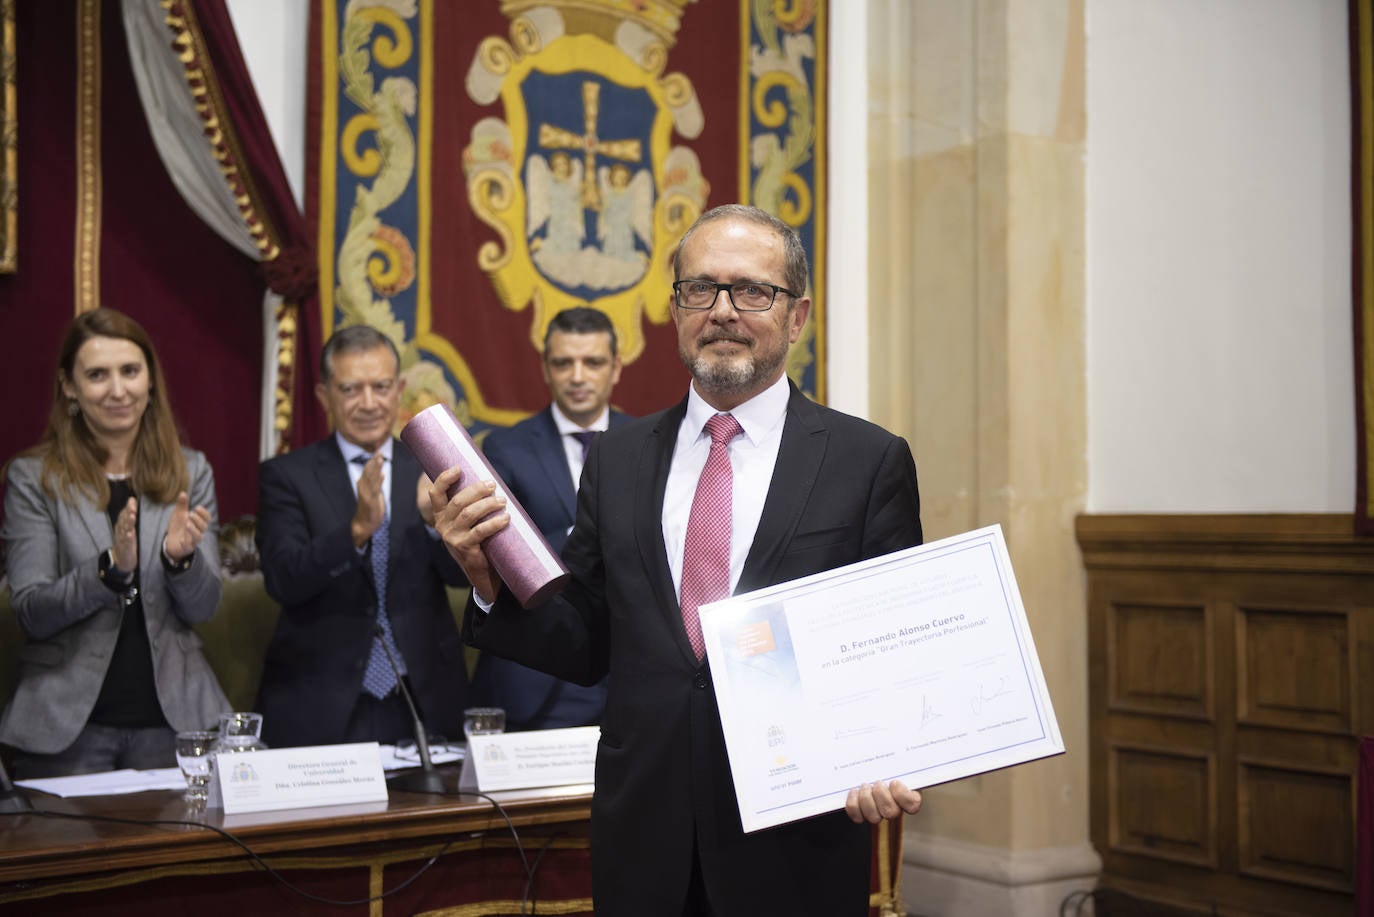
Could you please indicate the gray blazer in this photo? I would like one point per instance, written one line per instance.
(71, 619)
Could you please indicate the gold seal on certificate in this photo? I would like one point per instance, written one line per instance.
(916, 666)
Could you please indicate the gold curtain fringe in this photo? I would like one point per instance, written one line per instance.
(195, 64)
(198, 73)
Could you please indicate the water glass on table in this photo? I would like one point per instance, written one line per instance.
(193, 757)
(484, 721)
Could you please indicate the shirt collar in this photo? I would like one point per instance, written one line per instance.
(759, 416)
(349, 449)
(566, 426)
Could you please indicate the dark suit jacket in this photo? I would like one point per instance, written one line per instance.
(843, 490)
(531, 460)
(313, 672)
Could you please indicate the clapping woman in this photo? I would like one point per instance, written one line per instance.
(110, 528)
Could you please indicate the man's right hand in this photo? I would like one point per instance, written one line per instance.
(472, 516)
(371, 509)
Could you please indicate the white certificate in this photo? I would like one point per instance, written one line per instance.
(918, 665)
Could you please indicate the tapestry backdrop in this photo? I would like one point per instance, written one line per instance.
(479, 166)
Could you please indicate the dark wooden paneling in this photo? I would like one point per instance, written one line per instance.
(1163, 805)
(1231, 674)
(1294, 669)
(1161, 656)
(1288, 817)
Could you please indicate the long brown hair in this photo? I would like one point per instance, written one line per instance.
(74, 460)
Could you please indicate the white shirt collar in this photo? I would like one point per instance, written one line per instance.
(566, 426)
(349, 449)
(759, 416)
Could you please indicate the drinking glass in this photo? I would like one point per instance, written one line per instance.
(483, 720)
(239, 731)
(193, 757)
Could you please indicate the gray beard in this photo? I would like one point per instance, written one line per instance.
(739, 377)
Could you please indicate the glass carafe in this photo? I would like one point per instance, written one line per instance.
(239, 732)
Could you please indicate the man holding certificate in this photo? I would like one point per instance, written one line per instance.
(742, 485)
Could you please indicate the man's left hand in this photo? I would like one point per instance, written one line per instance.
(874, 802)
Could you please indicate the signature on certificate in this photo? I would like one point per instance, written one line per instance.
(986, 694)
(928, 714)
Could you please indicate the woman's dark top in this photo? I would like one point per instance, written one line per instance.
(128, 698)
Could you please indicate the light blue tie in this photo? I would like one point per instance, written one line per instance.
(379, 680)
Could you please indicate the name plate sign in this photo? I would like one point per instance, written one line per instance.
(298, 778)
(524, 760)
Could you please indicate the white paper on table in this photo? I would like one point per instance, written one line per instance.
(108, 783)
(121, 782)
(918, 666)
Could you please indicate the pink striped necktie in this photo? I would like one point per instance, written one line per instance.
(706, 552)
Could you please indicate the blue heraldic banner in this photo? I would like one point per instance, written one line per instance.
(479, 166)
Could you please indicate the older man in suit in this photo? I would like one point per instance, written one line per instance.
(793, 488)
(347, 551)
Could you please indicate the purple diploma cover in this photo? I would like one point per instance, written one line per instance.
(518, 553)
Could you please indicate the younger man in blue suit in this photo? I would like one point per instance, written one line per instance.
(540, 459)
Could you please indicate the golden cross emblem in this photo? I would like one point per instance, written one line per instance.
(589, 143)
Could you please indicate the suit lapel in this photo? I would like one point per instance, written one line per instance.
(651, 482)
(794, 477)
(554, 460)
(96, 522)
(405, 472)
(331, 474)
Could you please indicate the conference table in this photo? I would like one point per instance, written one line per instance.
(440, 855)
(150, 853)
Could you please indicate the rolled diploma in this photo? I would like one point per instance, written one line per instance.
(518, 553)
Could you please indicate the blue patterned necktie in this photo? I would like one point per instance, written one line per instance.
(378, 679)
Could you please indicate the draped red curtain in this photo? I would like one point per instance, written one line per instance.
(291, 270)
(154, 259)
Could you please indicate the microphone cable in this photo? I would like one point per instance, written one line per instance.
(272, 872)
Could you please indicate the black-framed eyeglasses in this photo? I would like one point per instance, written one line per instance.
(745, 295)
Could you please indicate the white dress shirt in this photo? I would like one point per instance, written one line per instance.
(752, 457)
(355, 470)
(572, 447)
(753, 454)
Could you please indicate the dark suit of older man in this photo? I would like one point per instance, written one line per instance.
(788, 489)
(843, 490)
(314, 667)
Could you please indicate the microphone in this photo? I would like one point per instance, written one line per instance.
(426, 779)
(10, 798)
